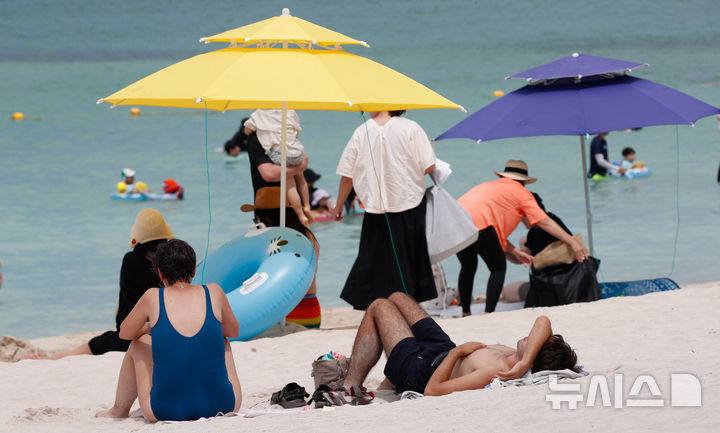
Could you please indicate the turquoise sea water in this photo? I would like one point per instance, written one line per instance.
(62, 239)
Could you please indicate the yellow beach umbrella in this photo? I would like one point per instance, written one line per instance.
(283, 29)
(306, 79)
(285, 78)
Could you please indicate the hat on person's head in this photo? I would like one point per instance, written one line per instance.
(517, 170)
(311, 176)
(170, 186)
(318, 195)
(266, 198)
(128, 172)
(149, 226)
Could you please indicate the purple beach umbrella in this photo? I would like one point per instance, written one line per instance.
(577, 66)
(594, 105)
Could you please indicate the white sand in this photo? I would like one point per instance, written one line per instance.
(657, 334)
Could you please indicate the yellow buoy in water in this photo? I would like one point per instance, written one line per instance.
(498, 93)
(134, 111)
(17, 115)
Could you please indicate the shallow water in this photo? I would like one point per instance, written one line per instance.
(62, 239)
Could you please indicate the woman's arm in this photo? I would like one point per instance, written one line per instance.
(344, 189)
(230, 325)
(517, 256)
(136, 323)
(554, 229)
(602, 162)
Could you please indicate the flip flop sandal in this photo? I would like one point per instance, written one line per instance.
(337, 398)
(362, 395)
(292, 395)
(318, 397)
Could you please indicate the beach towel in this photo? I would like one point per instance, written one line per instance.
(637, 288)
(538, 378)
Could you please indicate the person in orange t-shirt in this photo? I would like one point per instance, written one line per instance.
(497, 207)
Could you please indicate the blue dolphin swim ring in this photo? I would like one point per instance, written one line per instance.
(265, 274)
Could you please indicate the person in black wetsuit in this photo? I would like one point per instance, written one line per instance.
(136, 276)
(599, 163)
(535, 241)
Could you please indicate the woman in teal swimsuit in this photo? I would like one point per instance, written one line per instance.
(185, 370)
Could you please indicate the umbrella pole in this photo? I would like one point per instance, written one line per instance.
(283, 165)
(588, 215)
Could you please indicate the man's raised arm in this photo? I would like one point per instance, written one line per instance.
(539, 334)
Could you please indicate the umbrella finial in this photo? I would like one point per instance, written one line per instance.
(286, 12)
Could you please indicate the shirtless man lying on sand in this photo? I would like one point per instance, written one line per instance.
(422, 358)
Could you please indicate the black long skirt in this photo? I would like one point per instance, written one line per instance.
(375, 273)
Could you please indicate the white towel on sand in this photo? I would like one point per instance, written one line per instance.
(538, 378)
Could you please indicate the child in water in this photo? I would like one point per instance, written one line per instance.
(268, 125)
(628, 161)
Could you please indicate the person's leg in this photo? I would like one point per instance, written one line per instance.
(232, 375)
(466, 278)
(488, 247)
(511, 292)
(135, 381)
(302, 189)
(382, 327)
(294, 198)
(411, 311)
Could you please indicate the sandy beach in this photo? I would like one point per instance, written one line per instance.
(657, 334)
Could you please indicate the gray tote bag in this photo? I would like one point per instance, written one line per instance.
(448, 227)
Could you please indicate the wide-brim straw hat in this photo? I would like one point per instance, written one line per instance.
(517, 170)
(149, 226)
(266, 198)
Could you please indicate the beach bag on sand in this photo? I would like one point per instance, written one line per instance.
(446, 295)
(556, 253)
(330, 372)
(448, 227)
(563, 284)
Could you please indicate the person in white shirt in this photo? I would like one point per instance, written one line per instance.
(386, 161)
(268, 125)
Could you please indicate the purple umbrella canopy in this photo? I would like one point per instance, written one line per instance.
(577, 66)
(590, 107)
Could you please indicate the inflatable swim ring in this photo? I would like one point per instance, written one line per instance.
(633, 173)
(265, 274)
(321, 217)
(144, 197)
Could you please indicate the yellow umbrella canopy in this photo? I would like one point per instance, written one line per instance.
(306, 79)
(283, 28)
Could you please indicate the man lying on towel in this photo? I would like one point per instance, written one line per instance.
(422, 358)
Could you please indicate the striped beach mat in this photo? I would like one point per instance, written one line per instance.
(637, 288)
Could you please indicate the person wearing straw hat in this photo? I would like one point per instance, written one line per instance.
(497, 207)
(136, 276)
(267, 201)
(386, 161)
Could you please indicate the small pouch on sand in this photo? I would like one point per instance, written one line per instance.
(330, 372)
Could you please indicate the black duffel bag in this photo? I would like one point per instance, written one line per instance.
(564, 284)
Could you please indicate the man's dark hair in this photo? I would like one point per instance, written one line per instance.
(555, 354)
(397, 113)
(628, 151)
(176, 260)
(539, 201)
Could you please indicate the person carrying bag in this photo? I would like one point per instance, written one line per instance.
(449, 228)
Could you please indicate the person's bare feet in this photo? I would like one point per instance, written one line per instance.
(304, 220)
(308, 213)
(114, 412)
